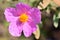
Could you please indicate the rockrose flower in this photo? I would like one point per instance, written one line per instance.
(22, 18)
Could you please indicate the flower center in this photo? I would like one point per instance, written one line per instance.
(23, 17)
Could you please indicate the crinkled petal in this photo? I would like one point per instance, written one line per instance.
(27, 29)
(36, 15)
(22, 8)
(33, 25)
(15, 30)
(10, 14)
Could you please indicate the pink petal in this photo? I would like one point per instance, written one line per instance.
(33, 25)
(36, 15)
(15, 30)
(10, 14)
(27, 29)
(22, 8)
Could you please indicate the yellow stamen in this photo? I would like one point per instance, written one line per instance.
(23, 17)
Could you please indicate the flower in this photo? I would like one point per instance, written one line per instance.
(22, 18)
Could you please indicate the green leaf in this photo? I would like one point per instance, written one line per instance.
(56, 24)
(59, 15)
(55, 20)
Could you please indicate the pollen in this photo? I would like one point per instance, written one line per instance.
(23, 17)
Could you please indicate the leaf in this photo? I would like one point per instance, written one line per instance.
(56, 24)
(57, 2)
(44, 4)
(55, 19)
(37, 33)
(59, 15)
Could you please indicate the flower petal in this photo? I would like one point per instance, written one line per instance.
(22, 8)
(27, 29)
(10, 14)
(36, 15)
(15, 30)
(33, 25)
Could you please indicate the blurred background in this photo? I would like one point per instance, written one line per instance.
(50, 26)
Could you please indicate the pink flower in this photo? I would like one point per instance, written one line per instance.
(22, 18)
